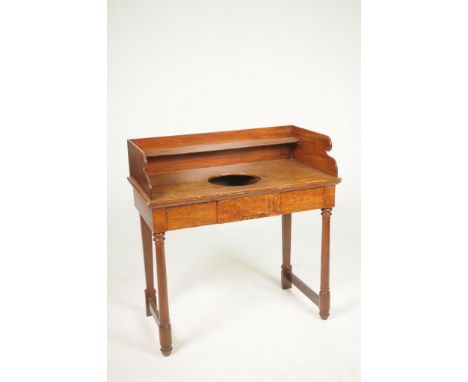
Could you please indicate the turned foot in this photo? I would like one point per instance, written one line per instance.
(166, 351)
(324, 304)
(165, 336)
(324, 315)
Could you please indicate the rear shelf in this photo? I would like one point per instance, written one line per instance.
(233, 145)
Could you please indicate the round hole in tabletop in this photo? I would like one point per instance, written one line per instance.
(234, 179)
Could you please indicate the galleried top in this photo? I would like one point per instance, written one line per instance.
(183, 169)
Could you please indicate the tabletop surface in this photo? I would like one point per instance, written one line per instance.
(189, 186)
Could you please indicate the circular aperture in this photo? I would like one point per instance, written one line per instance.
(234, 179)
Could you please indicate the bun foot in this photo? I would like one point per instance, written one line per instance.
(166, 351)
(324, 315)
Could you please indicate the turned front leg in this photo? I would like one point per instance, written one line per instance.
(286, 237)
(150, 293)
(165, 336)
(324, 295)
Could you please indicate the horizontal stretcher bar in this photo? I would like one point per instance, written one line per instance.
(154, 311)
(299, 284)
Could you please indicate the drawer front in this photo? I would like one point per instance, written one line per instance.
(302, 200)
(191, 216)
(250, 207)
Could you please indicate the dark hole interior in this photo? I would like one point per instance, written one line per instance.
(234, 180)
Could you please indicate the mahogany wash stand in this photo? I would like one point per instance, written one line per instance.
(200, 179)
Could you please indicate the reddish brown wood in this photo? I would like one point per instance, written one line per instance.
(138, 168)
(286, 238)
(185, 162)
(191, 216)
(329, 197)
(299, 159)
(324, 295)
(302, 286)
(312, 150)
(156, 143)
(250, 207)
(191, 186)
(145, 211)
(238, 208)
(210, 147)
(150, 293)
(301, 200)
(159, 219)
(173, 186)
(165, 334)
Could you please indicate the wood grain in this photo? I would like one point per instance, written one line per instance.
(286, 241)
(147, 145)
(312, 150)
(176, 157)
(165, 331)
(324, 295)
(138, 169)
(191, 216)
(143, 208)
(150, 292)
(329, 197)
(250, 207)
(159, 220)
(301, 200)
(217, 158)
(187, 187)
(223, 146)
(170, 178)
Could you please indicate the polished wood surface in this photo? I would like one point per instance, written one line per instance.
(171, 170)
(286, 267)
(241, 208)
(165, 333)
(324, 295)
(210, 147)
(313, 149)
(302, 286)
(150, 292)
(214, 178)
(189, 216)
(217, 158)
(186, 187)
(148, 144)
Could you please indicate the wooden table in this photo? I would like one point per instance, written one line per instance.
(193, 180)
